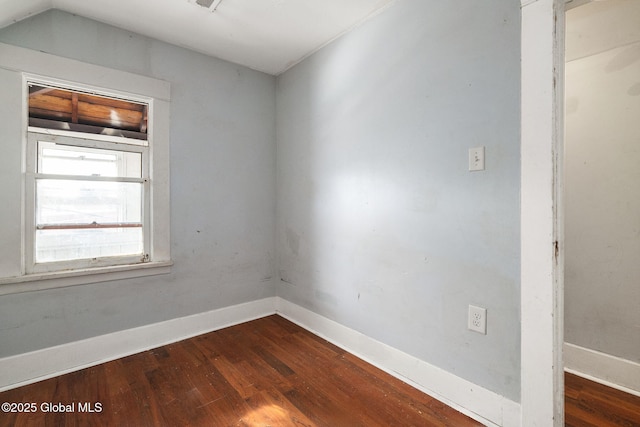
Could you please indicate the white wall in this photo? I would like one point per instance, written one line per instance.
(222, 190)
(602, 292)
(380, 225)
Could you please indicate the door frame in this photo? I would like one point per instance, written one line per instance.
(541, 212)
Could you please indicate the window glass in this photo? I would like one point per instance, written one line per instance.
(87, 219)
(70, 160)
(67, 245)
(86, 202)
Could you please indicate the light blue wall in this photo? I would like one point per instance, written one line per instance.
(379, 224)
(222, 190)
(381, 227)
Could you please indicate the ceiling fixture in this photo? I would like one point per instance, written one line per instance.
(212, 5)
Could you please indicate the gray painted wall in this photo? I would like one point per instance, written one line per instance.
(381, 227)
(222, 190)
(602, 291)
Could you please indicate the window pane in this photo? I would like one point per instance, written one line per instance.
(84, 202)
(65, 245)
(67, 160)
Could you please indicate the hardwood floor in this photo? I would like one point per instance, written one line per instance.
(590, 404)
(268, 372)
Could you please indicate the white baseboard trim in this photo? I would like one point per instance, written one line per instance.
(479, 403)
(27, 368)
(603, 368)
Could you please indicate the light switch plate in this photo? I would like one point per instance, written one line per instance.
(476, 159)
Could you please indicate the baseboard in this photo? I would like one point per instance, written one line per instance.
(479, 403)
(600, 367)
(27, 368)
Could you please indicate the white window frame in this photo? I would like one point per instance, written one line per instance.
(84, 140)
(25, 65)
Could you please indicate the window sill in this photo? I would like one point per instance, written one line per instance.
(63, 279)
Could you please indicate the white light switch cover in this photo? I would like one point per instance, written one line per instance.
(476, 159)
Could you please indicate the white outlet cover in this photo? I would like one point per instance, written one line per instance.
(477, 320)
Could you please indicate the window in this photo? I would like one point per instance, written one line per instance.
(87, 180)
(84, 172)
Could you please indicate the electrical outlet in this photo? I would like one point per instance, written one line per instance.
(477, 319)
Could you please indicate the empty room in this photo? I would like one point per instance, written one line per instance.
(294, 212)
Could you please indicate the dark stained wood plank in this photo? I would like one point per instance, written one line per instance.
(270, 407)
(240, 383)
(265, 372)
(273, 361)
(327, 408)
(396, 394)
(591, 404)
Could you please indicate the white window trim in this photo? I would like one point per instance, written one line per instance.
(62, 279)
(38, 66)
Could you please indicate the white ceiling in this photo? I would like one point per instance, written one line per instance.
(266, 35)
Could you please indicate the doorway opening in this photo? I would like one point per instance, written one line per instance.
(602, 192)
